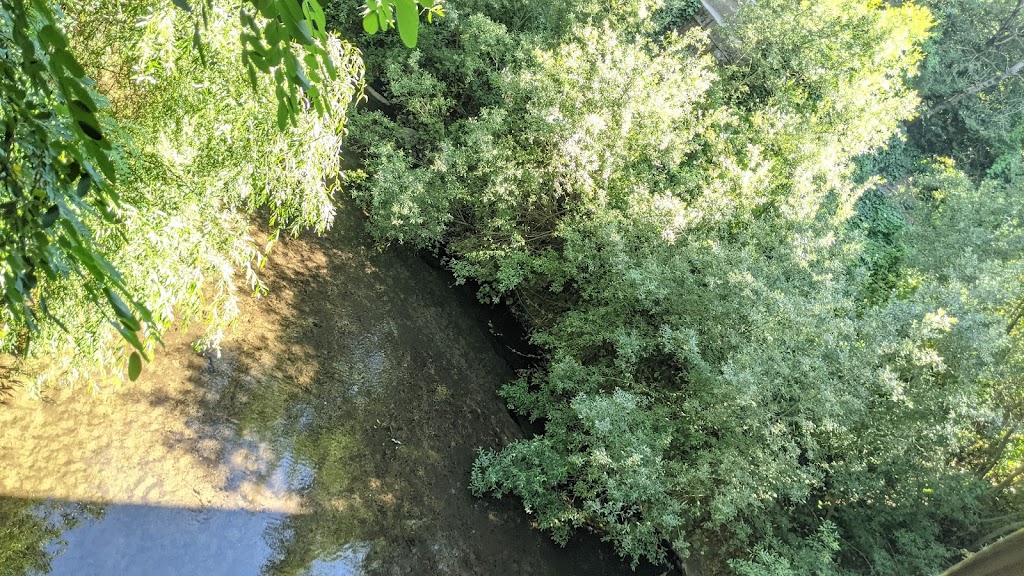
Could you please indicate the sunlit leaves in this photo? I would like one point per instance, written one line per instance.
(281, 39)
(403, 14)
(675, 235)
(148, 210)
(56, 150)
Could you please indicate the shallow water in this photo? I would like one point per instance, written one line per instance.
(333, 435)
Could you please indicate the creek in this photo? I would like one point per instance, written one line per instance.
(334, 434)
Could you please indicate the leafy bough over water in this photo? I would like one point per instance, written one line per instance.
(72, 247)
(151, 213)
(57, 164)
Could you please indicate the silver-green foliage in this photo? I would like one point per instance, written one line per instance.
(677, 238)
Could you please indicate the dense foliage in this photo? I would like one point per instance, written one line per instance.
(759, 360)
(57, 167)
(189, 149)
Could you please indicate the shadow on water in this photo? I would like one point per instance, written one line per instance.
(373, 395)
(31, 532)
(333, 435)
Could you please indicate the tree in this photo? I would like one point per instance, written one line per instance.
(713, 387)
(57, 170)
(76, 253)
(971, 82)
(63, 150)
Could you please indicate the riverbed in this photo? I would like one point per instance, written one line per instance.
(333, 434)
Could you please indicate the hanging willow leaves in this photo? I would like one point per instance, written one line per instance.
(61, 150)
(403, 14)
(54, 142)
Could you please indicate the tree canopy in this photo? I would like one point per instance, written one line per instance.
(758, 359)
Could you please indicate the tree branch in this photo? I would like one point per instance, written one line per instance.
(1008, 481)
(1005, 25)
(979, 87)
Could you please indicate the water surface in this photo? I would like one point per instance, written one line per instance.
(333, 435)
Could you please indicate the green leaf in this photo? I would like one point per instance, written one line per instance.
(67, 61)
(408, 17)
(197, 44)
(247, 21)
(282, 116)
(293, 10)
(85, 119)
(184, 5)
(53, 37)
(274, 34)
(102, 160)
(312, 65)
(128, 335)
(301, 32)
(90, 130)
(254, 55)
(295, 71)
(101, 270)
(85, 106)
(370, 23)
(250, 70)
(50, 216)
(122, 311)
(268, 8)
(134, 366)
(296, 23)
(81, 93)
(315, 13)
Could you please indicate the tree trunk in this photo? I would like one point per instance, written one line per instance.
(996, 451)
(1003, 558)
(1018, 313)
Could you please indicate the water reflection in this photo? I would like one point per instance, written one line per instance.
(155, 541)
(31, 532)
